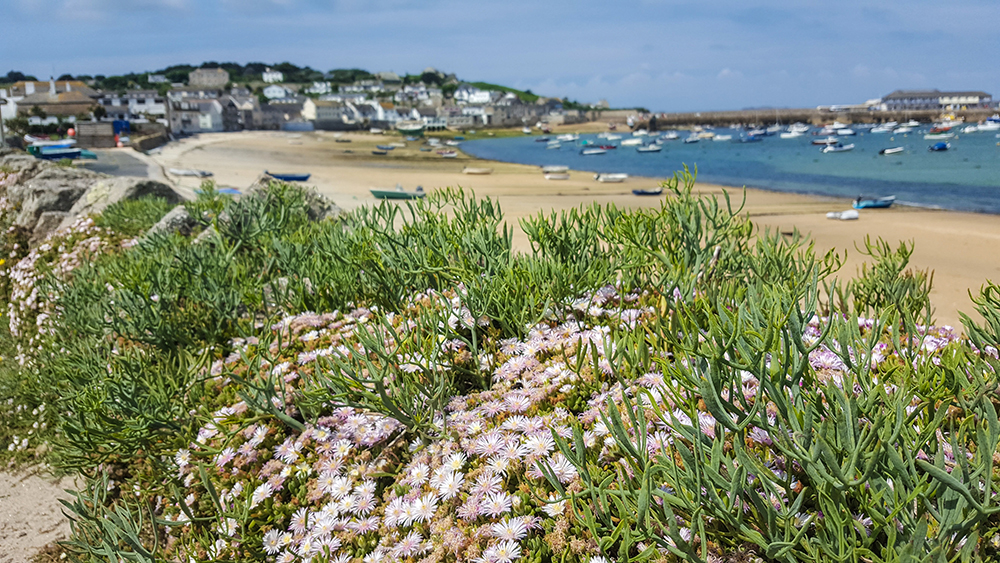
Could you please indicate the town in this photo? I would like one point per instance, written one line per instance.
(208, 99)
(185, 100)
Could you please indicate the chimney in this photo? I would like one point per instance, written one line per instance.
(29, 88)
(68, 87)
(52, 87)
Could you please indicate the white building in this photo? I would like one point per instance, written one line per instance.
(275, 91)
(472, 95)
(320, 88)
(272, 76)
(352, 98)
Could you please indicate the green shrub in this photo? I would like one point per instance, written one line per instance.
(132, 217)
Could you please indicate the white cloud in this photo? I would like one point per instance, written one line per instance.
(728, 73)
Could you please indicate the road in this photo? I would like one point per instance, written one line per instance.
(118, 162)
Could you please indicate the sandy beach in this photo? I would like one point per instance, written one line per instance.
(955, 245)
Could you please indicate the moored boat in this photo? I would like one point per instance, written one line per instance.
(189, 172)
(691, 139)
(562, 176)
(398, 193)
(648, 191)
(938, 147)
(591, 152)
(631, 142)
(873, 203)
(722, 138)
(826, 141)
(385, 147)
(891, 150)
(615, 178)
(380, 153)
(555, 169)
(649, 148)
(288, 176)
(477, 171)
(938, 136)
(410, 127)
(838, 148)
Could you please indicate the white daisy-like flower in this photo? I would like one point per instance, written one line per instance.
(260, 494)
(272, 541)
(451, 485)
(513, 529)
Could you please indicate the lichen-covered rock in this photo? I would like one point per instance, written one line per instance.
(178, 220)
(320, 207)
(48, 221)
(55, 188)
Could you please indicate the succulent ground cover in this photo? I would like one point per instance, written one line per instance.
(399, 385)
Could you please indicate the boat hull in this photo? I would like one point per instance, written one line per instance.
(288, 177)
(395, 194)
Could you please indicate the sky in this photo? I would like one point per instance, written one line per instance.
(662, 55)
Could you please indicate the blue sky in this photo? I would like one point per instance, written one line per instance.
(664, 55)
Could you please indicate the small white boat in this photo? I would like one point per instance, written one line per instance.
(649, 148)
(970, 129)
(452, 143)
(557, 176)
(849, 215)
(631, 142)
(611, 178)
(789, 135)
(989, 125)
(912, 123)
(555, 169)
(592, 152)
(938, 136)
(526, 130)
(691, 139)
(845, 132)
(477, 171)
(902, 129)
(568, 138)
(189, 172)
(892, 150)
(881, 129)
(613, 137)
(723, 138)
(639, 133)
(398, 145)
(375, 131)
(553, 146)
(838, 148)
(670, 136)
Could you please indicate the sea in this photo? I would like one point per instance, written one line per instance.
(964, 178)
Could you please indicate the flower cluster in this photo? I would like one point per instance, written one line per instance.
(33, 302)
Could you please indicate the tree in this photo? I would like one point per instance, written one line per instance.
(99, 111)
(429, 78)
(66, 77)
(37, 111)
(15, 76)
(17, 126)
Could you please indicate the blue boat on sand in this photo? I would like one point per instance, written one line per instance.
(288, 177)
(874, 203)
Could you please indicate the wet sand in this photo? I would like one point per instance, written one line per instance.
(957, 246)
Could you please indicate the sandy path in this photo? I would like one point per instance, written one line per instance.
(957, 246)
(30, 514)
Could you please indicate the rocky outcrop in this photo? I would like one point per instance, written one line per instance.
(320, 207)
(49, 196)
(178, 220)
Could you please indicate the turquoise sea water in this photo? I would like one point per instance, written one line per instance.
(965, 178)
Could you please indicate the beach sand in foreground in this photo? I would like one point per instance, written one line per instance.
(957, 246)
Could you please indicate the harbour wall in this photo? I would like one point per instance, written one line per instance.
(806, 115)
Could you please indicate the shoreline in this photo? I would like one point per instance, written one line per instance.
(952, 243)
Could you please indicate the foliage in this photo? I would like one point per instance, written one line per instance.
(641, 385)
(524, 96)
